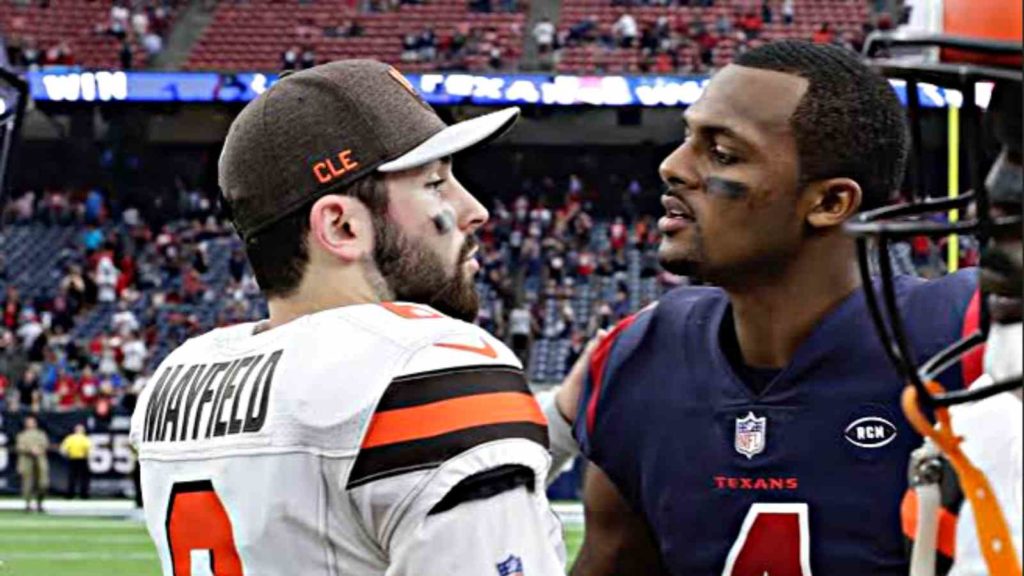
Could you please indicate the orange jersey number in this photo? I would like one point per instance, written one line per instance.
(198, 522)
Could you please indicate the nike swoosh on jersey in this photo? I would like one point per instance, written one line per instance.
(485, 350)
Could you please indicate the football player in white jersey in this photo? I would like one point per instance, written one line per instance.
(366, 427)
(992, 427)
(963, 514)
(969, 475)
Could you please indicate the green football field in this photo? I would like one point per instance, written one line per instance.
(33, 545)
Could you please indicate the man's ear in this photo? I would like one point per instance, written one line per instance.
(832, 202)
(341, 227)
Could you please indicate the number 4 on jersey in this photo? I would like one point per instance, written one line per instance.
(774, 541)
(199, 532)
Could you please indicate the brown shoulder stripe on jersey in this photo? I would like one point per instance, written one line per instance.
(426, 387)
(426, 419)
(395, 459)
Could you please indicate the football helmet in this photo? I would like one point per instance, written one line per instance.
(992, 208)
(993, 217)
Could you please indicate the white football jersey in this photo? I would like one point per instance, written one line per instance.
(362, 440)
(992, 431)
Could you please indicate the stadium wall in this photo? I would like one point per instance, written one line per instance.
(111, 460)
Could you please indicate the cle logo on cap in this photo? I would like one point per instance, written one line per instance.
(327, 169)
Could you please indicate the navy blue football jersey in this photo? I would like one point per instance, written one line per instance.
(805, 476)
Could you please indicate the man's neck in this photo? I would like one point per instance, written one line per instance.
(319, 295)
(774, 315)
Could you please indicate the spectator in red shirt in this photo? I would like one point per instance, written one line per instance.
(884, 21)
(663, 63)
(127, 267)
(753, 24)
(158, 20)
(11, 308)
(97, 344)
(67, 391)
(707, 43)
(192, 285)
(587, 263)
(88, 387)
(618, 234)
(642, 226)
(824, 35)
(60, 55)
(104, 401)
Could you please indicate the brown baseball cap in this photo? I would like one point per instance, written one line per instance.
(319, 130)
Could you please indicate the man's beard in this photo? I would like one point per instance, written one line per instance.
(680, 266)
(687, 264)
(411, 272)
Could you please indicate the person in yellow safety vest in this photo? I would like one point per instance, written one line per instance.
(75, 448)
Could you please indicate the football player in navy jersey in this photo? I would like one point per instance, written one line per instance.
(753, 426)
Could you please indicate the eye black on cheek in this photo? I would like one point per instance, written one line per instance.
(726, 188)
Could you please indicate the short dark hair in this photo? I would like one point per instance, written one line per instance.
(279, 254)
(849, 123)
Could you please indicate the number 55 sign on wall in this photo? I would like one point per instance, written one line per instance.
(110, 452)
(111, 460)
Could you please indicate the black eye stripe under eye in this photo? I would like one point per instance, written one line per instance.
(725, 187)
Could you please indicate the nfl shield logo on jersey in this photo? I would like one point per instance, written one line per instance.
(750, 433)
(511, 566)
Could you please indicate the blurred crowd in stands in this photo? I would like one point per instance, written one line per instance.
(446, 47)
(84, 334)
(92, 296)
(25, 52)
(675, 42)
(666, 36)
(131, 23)
(143, 21)
(450, 49)
(556, 274)
(117, 294)
(477, 6)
